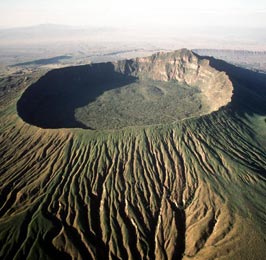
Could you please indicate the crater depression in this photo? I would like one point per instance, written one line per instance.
(160, 89)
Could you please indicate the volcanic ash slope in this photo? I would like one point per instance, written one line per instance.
(193, 189)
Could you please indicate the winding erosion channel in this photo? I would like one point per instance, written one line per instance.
(187, 189)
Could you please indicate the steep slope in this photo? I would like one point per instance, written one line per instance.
(193, 189)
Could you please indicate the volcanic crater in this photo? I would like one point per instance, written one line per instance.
(160, 89)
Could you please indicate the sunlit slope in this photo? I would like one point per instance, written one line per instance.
(194, 189)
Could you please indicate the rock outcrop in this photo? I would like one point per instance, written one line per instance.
(184, 67)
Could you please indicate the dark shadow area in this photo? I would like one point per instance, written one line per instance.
(43, 61)
(249, 95)
(52, 100)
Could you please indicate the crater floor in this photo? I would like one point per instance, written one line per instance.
(142, 103)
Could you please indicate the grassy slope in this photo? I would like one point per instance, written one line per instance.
(194, 189)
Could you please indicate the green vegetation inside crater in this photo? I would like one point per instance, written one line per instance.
(143, 102)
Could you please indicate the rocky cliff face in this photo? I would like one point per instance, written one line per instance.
(185, 67)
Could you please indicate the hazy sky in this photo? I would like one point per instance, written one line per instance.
(245, 13)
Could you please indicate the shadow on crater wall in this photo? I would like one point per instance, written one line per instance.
(52, 100)
(249, 87)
